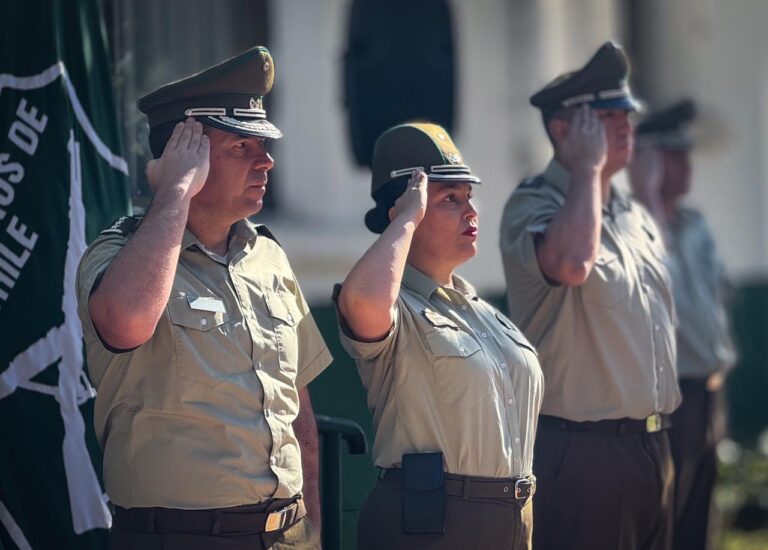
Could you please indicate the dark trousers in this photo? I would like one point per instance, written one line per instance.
(471, 524)
(693, 439)
(302, 535)
(602, 491)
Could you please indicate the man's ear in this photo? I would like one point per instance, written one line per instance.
(558, 129)
(391, 213)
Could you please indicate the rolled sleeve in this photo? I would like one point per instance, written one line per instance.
(526, 216)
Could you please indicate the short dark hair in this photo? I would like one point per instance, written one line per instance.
(159, 136)
(564, 113)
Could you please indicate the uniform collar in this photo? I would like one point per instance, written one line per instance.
(558, 177)
(425, 286)
(243, 229)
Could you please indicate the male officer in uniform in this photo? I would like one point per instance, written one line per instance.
(198, 336)
(661, 178)
(586, 282)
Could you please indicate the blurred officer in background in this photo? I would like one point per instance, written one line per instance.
(586, 282)
(661, 179)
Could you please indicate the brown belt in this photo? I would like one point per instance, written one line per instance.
(251, 519)
(652, 424)
(521, 488)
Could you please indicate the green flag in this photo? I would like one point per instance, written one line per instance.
(62, 179)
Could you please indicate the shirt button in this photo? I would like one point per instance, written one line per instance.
(273, 460)
(656, 328)
(503, 365)
(203, 322)
(517, 440)
(484, 334)
(510, 401)
(463, 307)
(461, 349)
(290, 318)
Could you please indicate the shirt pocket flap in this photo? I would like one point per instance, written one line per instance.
(181, 313)
(452, 343)
(513, 332)
(283, 308)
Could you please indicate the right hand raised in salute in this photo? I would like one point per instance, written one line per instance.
(185, 161)
(412, 204)
(585, 146)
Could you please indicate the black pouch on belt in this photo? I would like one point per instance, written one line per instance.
(423, 493)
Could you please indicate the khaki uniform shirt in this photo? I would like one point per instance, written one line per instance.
(704, 345)
(607, 347)
(452, 375)
(200, 416)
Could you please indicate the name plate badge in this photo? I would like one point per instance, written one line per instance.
(205, 303)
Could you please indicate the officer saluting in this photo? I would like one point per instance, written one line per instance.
(454, 386)
(587, 283)
(198, 337)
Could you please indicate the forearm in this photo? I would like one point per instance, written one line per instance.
(134, 290)
(305, 429)
(570, 245)
(371, 288)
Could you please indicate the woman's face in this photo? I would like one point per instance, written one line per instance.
(447, 236)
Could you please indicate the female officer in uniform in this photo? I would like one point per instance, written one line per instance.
(454, 387)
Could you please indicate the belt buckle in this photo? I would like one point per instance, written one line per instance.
(276, 520)
(653, 423)
(524, 484)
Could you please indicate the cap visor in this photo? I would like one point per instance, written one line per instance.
(259, 127)
(625, 103)
(454, 177)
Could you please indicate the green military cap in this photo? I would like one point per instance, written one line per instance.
(228, 96)
(601, 83)
(666, 128)
(417, 146)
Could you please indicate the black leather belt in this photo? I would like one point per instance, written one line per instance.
(652, 424)
(521, 488)
(251, 519)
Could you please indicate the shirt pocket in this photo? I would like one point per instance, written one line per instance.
(203, 340)
(285, 315)
(608, 283)
(463, 376)
(509, 328)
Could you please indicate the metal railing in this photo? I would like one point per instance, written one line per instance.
(332, 432)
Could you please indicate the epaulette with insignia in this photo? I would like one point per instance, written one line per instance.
(438, 320)
(263, 231)
(532, 183)
(124, 226)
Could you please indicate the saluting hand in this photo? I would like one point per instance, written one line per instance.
(185, 160)
(413, 202)
(585, 145)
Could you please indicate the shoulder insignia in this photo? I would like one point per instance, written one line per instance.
(124, 226)
(264, 232)
(438, 320)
